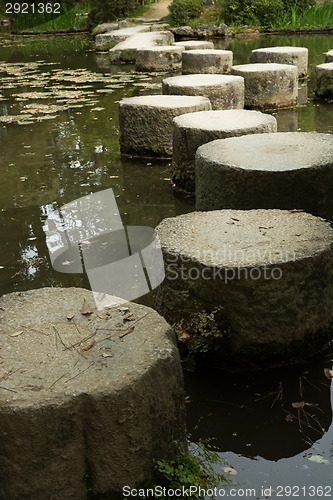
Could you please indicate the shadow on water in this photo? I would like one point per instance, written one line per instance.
(50, 162)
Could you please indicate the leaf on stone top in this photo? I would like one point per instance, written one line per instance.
(328, 373)
(229, 470)
(102, 316)
(301, 404)
(86, 309)
(317, 458)
(70, 316)
(289, 417)
(16, 334)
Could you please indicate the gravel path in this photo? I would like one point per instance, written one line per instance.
(158, 10)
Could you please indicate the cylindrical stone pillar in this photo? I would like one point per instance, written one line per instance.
(269, 271)
(324, 80)
(289, 170)
(207, 61)
(269, 85)
(145, 122)
(164, 58)
(195, 129)
(296, 56)
(223, 91)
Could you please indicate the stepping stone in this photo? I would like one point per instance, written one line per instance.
(329, 56)
(126, 50)
(81, 396)
(324, 80)
(145, 122)
(288, 170)
(270, 270)
(195, 44)
(168, 58)
(207, 61)
(269, 85)
(223, 91)
(296, 56)
(105, 41)
(195, 129)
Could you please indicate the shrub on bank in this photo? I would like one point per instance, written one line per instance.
(108, 10)
(182, 11)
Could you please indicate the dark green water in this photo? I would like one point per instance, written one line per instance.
(50, 162)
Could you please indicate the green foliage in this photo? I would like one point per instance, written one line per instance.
(267, 13)
(312, 17)
(192, 468)
(200, 335)
(109, 10)
(182, 11)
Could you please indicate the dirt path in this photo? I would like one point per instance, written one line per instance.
(158, 10)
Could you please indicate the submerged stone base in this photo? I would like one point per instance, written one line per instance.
(145, 122)
(324, 80)
(270, 270)
(87, 399)
(269, 85)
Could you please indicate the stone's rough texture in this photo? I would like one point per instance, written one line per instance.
(296, 56)
(167, 58)
(126, 51)
(145, 122)
(106, 405)
(195, 44)
(108, 40)
(223, 91)
(329, 56)
(269, 85)
(284, 170)
(182, 31)
(324, 80)
(195, 129)
(104, 28)
(270, 270)
(123, 24)
(210, 30)
(207, 61)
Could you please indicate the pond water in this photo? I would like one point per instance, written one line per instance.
(63, 144)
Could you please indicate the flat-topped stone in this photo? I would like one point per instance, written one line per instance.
(329, 56)
(296, 56)
(126, 50)
(195, 129)
(105, 41)
(270, 270)
(207, 61)
(84, 391)
(282, 170)
(166, 58)
(269, 85)
(195, 44)
(324, 80)
(223, 91)
(145, 122)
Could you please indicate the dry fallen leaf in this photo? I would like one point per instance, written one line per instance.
(105, 355)
(102, 316)
(16, 334)
(301, 404)
(126, 332)
(328, 373)
(70, 316)
(86, 309)
(229, 470)
(289, 417)
(88, 346)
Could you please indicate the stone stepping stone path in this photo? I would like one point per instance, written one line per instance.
(126, 51)
(145, 122)
(289, 170)
(223, 91)
(105, 41)
(195, 129)
(269, 85)
(324, 80)
(270, 270)
(84, 391)
(167, 58)
(296, 56)
(207, 61)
